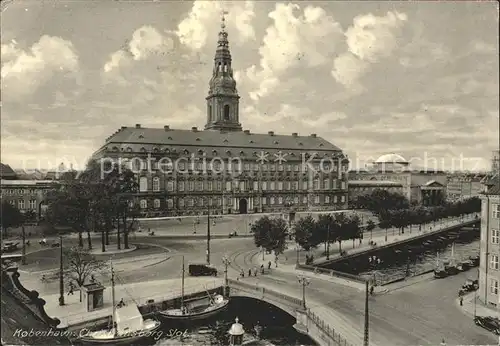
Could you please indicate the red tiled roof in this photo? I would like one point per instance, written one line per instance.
(6, 171)
(143, 137)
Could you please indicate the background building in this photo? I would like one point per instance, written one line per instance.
(420, 186)
(463, 186)
(6, 172)
(358, 188)
(183, 172)
(489, 273)
(495, 161)
(27, 195)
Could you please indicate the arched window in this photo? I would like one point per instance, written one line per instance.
(143, 184)
(210, 116)
(225, 67)
(156, 203)
(226, 112)
(220, 67)
(144, 204)
(156, 184)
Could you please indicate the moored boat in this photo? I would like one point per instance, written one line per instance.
(194, 310)
(127, 325)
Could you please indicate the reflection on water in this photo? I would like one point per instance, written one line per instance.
(414, 259)
(277, 326)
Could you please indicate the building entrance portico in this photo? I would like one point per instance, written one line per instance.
(243, 206)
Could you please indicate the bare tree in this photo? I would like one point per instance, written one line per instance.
(80, 265)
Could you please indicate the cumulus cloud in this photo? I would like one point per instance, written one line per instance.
(305, 38)
(370, 39)
(204, 19)
(145, 42)
(24, 71)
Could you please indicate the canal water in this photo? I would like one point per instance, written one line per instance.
(413, 260)
(277, 326)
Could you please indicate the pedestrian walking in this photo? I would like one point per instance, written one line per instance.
(262, 268)
(442, 342)
(268, 265)
(371, 290)
(242, 273)
(461, 299)
(71, 288)
(249, 272)
(254, 271)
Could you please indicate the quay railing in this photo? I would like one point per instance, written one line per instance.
(325, 328)
(264, 291)
(330, 272)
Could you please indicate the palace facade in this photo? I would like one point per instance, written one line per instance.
(227, 169)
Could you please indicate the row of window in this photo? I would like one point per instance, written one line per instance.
(496, 211)
(185, 165)
(493, 261)
(494, 286)
(21, 204)
(495, 236)
(18, 191)
(191, 202)
(241, 185)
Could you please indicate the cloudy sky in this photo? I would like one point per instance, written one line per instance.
(415, 78)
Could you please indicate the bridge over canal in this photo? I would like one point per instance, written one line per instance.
(321, 330)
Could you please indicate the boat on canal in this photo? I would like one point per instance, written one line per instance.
(451, 266)
(439, 271)
(127, 325)
(197, 309)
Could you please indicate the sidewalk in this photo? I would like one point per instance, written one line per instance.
(481, 309)
(137, 293)
(378, 238)
(352, 334)
(290, 269)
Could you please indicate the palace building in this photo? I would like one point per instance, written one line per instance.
(226, 168)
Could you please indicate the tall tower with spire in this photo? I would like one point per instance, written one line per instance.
(223, 98)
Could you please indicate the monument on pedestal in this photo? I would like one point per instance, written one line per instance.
(236, 333)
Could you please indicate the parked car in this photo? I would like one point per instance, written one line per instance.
(470, 285)
(489, 323)
(9, 246)
(202, 270)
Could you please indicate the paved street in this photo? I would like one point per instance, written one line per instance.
(422, 313)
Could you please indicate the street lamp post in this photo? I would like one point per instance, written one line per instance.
(262, 250)
(328, 242)
(208, 234)
(304, 282)
(61, 280)
(297, 248)
(24, 246)
(367, 328)
(226, 262)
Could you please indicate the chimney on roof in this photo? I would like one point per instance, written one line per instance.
(137, 126)
(194, 129)
(247, 132)
(166, 128)
(295, 134)
(313, 135)
(271, 133)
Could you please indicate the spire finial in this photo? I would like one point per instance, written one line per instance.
(223, 19)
